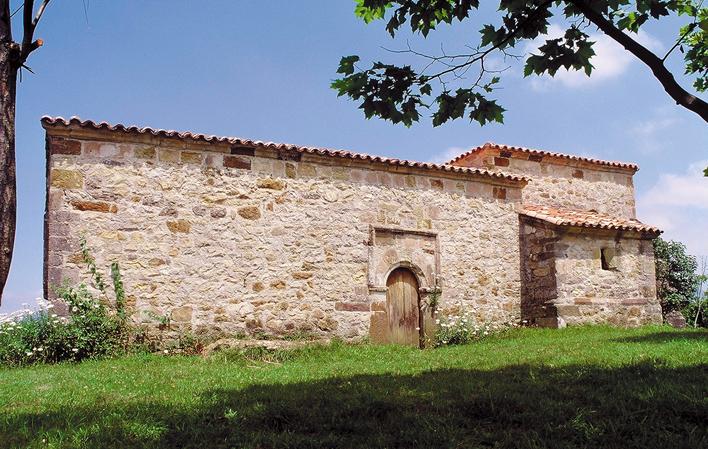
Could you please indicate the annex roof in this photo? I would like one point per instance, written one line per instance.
(585, 219)
(532, 151)
(76, 122)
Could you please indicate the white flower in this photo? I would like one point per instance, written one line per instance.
(40, 349)
(166, 351)
(75, 349)
(28, 353)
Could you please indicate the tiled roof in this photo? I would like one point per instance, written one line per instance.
(585, 219)
(570, 157)
(77, 122)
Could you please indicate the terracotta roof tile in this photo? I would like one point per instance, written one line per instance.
(48, 121)
(617, 164)
(585, 219)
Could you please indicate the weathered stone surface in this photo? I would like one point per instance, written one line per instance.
(271, 183)
(66, 179)
(237, 162)
(182, 226)
(145, 153)
(250, 212)
(181, 314)
(61, 145)
(351, 306)
(189, 157)
(675, 319)
(94, 206)
(564, 185)
(218, 212)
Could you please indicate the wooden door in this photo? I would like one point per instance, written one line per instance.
(403, 308)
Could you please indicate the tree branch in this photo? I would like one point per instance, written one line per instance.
(661, 73)
(40, 11)
(481, 55)
(30, 19)
(679, 40)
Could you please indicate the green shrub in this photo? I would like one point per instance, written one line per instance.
(676, 278)
(91, 330)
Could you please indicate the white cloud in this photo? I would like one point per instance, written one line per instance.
(447, 155)
(611, 60)
(650, 135)
(678, 204)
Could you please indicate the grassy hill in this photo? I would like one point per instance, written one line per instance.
(578, 387)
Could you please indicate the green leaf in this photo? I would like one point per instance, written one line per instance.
(346, 64)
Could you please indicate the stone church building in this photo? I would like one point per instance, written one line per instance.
(228, 235)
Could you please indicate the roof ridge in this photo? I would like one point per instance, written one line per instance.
(476, 149)
(187, 135)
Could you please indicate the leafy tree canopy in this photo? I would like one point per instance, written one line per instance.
(400, 93)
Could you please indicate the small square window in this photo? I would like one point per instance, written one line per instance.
(607, 259)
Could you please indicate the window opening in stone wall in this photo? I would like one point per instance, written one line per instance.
(607, 258)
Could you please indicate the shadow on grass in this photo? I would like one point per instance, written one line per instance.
(667, 337)
(645, 406)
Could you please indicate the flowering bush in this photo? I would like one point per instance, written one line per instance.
(463, 327)
(41, 336)
(90, 330)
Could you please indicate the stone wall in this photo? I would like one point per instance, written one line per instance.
(558, 182)
(228, 239)
(564, 281)
(623, 295)
(539, 286)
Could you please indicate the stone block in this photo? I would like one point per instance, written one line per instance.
(351, 306)
(308, 170)
(271, 183)
(378, 327)
(249, 212)
(169, 156)
(179, 226)
(94, 206)
(290, 171)
(145, 152)
(237, 162)
(66, 179)
(60, 145)
(181, 314)
(189, 157)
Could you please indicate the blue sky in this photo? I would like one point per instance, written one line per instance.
(262, 70)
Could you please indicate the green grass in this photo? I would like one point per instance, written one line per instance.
(579, 387)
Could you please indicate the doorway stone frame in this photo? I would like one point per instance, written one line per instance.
(414, 249)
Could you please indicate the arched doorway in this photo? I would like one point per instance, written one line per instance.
(403, 308)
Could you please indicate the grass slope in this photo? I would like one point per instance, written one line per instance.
(579, 387)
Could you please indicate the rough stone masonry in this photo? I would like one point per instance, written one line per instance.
(228, 235)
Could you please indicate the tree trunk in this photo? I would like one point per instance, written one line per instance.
(8, 193)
